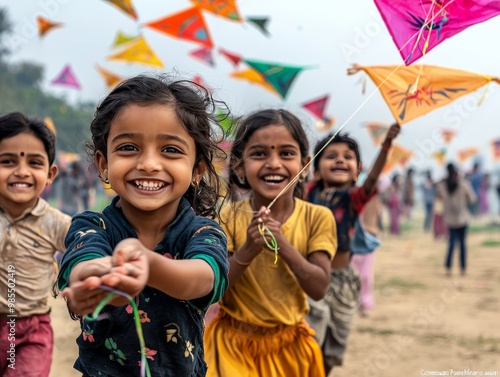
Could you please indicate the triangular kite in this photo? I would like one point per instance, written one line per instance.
(466, 153)
(66, 78)
(50, 124)
(122, 38)
(110, 78)
(412, 91)
(233, 58)
(137, 52)
(377, 131)
(260, 23)
(188, 24)
(279, 76)
(255, 77)
(223, 8)
(418, 26)
(199, 80)
(44, 25)
(317, 106)
(398, 156)
(204, 55)
(124, 5)
(440, 156)
(495, 146)
(448, 135)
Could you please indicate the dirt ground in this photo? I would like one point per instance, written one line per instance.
(424, 322)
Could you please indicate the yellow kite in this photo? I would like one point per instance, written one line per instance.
(253, 76)
(122, 38)
(412, 91)
(138, 52)
(466, 153)
(377, 131)
(124, 5)
(398, 156)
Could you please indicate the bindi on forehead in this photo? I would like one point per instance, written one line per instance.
(21, 154)
(272, 147)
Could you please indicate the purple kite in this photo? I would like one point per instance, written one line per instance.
(66, 78)
(417, 26)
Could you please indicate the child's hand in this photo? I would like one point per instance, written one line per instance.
(130, 271)
(254, 238)
(392, 133)
(83, 294)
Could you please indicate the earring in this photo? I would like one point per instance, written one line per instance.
(106, 180)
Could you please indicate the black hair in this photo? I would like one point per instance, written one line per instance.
(197, 111)
(256, 121)
(452, 178)
(15, 123)
(321, 145)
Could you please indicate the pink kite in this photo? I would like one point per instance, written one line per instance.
(66, 78)
(417, 26)
(317, 107)
(204, 55)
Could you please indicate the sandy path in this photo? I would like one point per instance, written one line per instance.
(423, 321)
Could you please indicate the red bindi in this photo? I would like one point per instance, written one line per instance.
(272, 146)
(22, 154)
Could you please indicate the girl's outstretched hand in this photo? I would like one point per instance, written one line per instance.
(83, 293)
(130, 271)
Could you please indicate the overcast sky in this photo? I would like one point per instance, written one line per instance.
(325, 35)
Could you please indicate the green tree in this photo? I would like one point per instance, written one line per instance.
(20, 90)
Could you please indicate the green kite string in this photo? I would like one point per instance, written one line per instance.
(137, 319)
(273, 244)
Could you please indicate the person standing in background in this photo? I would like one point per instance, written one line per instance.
(408, 193)
(429, 193)
(457, 195)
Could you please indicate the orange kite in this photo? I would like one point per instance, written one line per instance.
(44, 25)
(412, 91)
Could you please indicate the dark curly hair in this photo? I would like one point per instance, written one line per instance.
(13, 124)
(257, 121)
(199, 113)
(321, 145)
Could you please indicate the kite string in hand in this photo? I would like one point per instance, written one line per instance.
(137, 319)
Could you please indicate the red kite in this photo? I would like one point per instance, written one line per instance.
(188, 24)
(233, 58)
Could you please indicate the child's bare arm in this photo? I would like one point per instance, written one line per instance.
(378, 166)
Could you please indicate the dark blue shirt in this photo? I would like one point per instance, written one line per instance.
(345, 204)
(173, 329)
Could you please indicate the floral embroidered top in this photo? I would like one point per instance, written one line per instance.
(173, 329)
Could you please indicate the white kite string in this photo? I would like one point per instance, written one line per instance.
(299, 174)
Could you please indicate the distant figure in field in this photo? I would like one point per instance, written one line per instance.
(393, 199)
(475, 177)
(483, 206)
(457, 195)
(429, 193)
(408, 193)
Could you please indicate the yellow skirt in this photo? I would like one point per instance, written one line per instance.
(239, 349)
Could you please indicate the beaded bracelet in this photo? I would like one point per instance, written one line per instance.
(240, 262)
